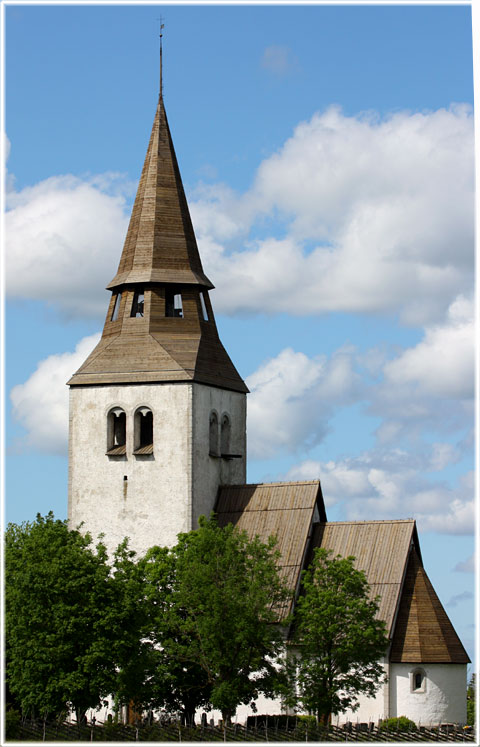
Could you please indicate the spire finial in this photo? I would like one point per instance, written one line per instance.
(161, 70)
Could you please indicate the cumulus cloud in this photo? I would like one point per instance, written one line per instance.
(431, 385)
(442, 364)
(353, 213)
(369, 215)
(292, 398)
(40, 405)
(63, 241)
(391, 485)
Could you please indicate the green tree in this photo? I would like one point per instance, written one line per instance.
(339, 638)
(471, 698)
(127, 619)
(216, 596)
(64, 618)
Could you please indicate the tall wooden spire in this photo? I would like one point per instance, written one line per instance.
(160, 246)
(160, 324)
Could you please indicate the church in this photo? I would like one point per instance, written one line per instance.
(157, 437)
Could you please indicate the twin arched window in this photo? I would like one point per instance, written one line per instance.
(117, 431)
(219, 438)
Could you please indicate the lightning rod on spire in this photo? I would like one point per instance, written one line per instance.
(161, 44)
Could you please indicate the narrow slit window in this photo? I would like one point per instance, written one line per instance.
(204, 307)
(138, 303)
(116, 308)
(143, 431)
(173, 303)
(116, 432)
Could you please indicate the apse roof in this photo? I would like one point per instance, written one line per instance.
(423, 631)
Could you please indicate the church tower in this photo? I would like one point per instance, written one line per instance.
(158, 410)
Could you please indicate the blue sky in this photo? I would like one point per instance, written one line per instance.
(327, 155)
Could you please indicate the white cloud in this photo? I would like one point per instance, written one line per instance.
(390, 485)
(63, 241)
(293, 396)
(386, 209)
(442, 364)
(430, 385)
(41, 403)
(353, 213)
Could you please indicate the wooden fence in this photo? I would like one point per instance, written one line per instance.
(26, 731)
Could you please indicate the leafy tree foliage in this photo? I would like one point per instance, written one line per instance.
(68, 619)
(471, 700)
(215, 596)
(398, 723)
(340, 640)
(127, 619)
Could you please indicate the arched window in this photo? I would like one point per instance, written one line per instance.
(143, 431)
(225, 435)
(116, 432)
(213, 434)
(418, 680)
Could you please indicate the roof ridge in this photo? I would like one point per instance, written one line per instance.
(371, 521)
(267, 484)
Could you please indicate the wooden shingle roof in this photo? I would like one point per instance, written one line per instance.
(388, 552)
(160, 246)
(160, 260)
(423, 632)
(285, 510)
(380, 549)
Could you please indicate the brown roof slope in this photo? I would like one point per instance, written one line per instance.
(423, 631)
(285, 510)
(381, 550)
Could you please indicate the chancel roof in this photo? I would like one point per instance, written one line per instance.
(388, 552)
(286, 510)
(380, 549)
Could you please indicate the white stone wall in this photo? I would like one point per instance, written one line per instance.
(210, 472)
(153, 504)
(369, 709)
(163, 493)
(443, 699)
